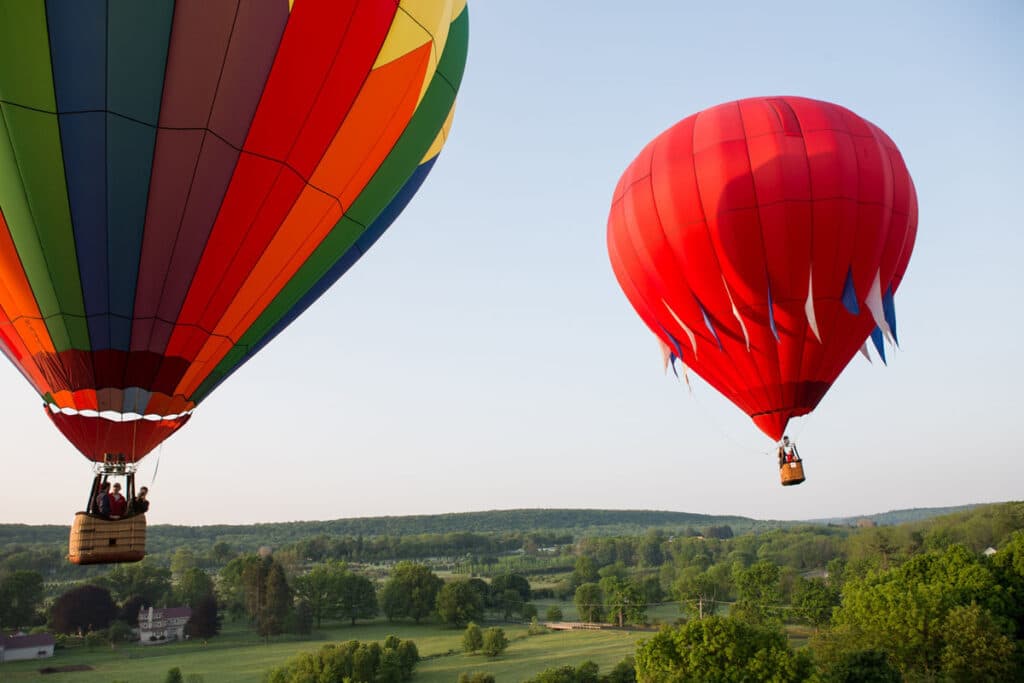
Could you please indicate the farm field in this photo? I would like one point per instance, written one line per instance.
(238, 656)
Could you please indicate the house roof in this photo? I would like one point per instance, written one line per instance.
(33, 640)
(166, 612)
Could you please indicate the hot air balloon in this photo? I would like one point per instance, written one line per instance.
(762, 241)
(180, 180)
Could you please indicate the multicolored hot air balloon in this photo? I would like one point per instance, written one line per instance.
(180, 179)
(762, 242)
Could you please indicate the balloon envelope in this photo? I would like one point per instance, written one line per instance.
(179, 180)
(762, 242)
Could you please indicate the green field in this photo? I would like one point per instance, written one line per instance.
(237, 656)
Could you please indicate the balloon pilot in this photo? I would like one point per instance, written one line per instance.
(791, 468)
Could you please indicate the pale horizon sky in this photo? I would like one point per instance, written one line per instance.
(483, 357)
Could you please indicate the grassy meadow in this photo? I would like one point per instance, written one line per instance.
(237, 655)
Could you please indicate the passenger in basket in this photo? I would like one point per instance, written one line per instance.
(787, 452)
(101, 502)
(139, 504)
(118, 504)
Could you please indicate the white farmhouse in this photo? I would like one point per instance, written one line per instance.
(17, 647)
(162, 625)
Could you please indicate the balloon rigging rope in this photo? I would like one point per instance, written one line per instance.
(746, 449)
(135, 433)
(156, 469)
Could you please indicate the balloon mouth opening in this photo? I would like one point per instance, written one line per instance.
(116, 415)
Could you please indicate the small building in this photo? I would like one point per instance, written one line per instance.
(162, 625)
(19, 647)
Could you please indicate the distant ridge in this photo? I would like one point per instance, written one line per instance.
(575, 522)
(898, 516)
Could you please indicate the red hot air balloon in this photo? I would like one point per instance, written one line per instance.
(762, 241)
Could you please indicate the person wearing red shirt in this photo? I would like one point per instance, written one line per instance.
(118, 504)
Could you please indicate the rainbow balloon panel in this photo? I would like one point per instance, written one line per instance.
(180, 180)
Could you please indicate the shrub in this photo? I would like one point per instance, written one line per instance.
(473, 638)
(495, 642)
(554, 613)
(476, 677)
(536, 628)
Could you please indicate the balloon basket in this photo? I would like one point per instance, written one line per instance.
(792, 473)
(95, 540)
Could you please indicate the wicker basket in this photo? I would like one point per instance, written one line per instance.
(792, 473)
(102, 541)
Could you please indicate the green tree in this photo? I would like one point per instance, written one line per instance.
(351, 661)
(365, 662)
(458, 603)
(322, 587)
(757, 593)
(193, 586)
(623, 672)
(21, 594)
(408, 657)
(1008, 567)
(510, 581)
(623, 601)
(476, 677)
(411, 592)
(358, 598)
(300, 621)
(864, 666)
(555, 674)
(650, 548)
(719, 649)
(553, 613)
(909, 611)
(977, 648)
(698, 592)
(221, 553)
(182, 560)
(144, 579)
(584, 572)
(272, 617)
(509, 602)
(120, 632)
(472, 638)
(231, 585)
(813, 601)
(589, 602)
(495, 642)
(174, 676)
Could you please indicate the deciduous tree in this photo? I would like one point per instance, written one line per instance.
(411, 592)
(322, 587)
(458, 603)
(358, 597)
(85, 608)
(21, 594)
(472, 638)
(814, 601)
(205, 620)
(757, 593)
(495, 642)
(719, 649)
(589, 602)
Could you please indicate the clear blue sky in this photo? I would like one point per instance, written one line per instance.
(483, 357)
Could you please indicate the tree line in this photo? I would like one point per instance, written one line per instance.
(941, 599)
